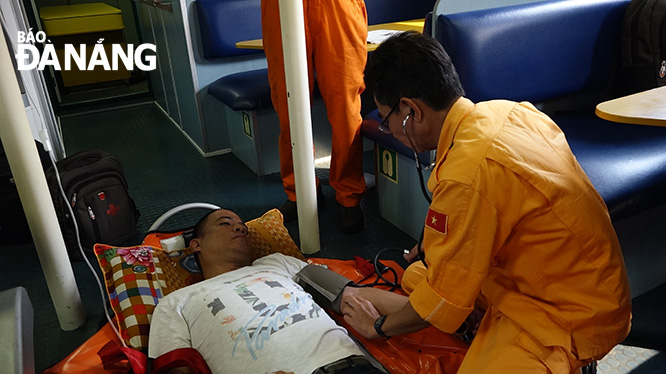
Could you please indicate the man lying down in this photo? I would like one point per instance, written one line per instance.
(253, 317)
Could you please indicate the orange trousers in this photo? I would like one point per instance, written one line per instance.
(335, 36)
(501, 346)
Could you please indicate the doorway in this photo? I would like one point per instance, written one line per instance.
(110, 21)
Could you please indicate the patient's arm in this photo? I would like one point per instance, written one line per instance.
(362, 306)
(385, 302)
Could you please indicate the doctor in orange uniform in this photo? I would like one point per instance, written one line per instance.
(336, 36)
(514, 221)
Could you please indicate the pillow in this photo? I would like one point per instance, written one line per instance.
(179, 269)
(138, 277)
(131, 275)
(268, 235)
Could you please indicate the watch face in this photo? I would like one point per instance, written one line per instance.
(379, 322)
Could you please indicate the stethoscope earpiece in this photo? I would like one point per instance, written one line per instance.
(404, 122)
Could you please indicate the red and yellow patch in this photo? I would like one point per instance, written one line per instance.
(437, 221)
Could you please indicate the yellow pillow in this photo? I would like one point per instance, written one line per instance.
(268, 235)
(138, 277)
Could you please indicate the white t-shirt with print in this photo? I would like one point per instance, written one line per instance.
(252, 320)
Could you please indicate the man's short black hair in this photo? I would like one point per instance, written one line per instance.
(197, 231)
(413, 65)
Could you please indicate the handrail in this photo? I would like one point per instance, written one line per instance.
(179, 209)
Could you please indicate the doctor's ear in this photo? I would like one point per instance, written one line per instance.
(413, 108)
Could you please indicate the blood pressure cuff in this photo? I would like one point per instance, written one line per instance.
(324, 285)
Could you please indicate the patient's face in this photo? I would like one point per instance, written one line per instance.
(224, 233)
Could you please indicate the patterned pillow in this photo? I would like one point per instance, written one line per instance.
(180, 269)
(138, 277)
(132, 278)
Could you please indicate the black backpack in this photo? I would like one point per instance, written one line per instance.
(95, 185)
(643, 43)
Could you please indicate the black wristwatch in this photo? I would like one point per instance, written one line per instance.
(379, 322)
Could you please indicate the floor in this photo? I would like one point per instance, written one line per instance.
(164, 170)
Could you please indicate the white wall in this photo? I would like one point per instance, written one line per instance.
(38, 106)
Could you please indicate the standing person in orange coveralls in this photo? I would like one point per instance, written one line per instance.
(514, 221)
(335, 36)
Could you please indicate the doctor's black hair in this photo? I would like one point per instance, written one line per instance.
(413, 65)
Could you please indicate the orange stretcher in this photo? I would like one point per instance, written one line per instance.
(428, 351)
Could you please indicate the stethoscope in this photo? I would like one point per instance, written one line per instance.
(463, 330)
(419, 170)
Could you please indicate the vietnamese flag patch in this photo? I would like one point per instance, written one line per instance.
(438, 221)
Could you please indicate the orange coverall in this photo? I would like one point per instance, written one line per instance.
(335, 36)
(515, 220)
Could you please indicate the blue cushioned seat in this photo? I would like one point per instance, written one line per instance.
(554, 50)
(537, 51)
(382, 11)
(223, 23)
(626, 163)
(248, 90)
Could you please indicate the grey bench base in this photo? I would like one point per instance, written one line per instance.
(643, 242)
(16, 325)
(399, 194)
(254, 137)
(253, 124)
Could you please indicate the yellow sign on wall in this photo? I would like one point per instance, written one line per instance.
(247, 125)
(388, 163)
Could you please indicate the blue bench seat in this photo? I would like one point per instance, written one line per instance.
(626, 163)
(255, 141)
(252, 124)
(549, 51)
(247, 90)
(255, 127)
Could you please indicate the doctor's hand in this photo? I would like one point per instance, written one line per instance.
(360, 314)
(412, 255)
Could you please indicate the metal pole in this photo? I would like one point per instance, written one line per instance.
(300, 121)
(19, 145)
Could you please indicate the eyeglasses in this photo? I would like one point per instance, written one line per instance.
(384, 127)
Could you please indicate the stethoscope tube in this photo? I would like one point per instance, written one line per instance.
(423, 187)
